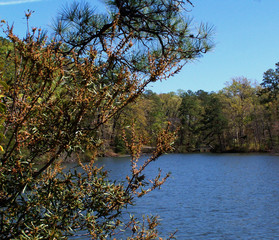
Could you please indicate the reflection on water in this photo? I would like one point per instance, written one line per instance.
(208, 196)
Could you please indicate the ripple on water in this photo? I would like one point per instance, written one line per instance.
(213, 197)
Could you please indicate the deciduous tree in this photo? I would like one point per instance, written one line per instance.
(239, 98)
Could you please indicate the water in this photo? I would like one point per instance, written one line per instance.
(208, 196)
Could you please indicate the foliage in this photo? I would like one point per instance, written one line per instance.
(238, 99)
(235, 119)
(190, 114)
(56, 101)
(270, 83)
(213, 123)
(269, 99)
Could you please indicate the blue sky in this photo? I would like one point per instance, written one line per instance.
(246, 38)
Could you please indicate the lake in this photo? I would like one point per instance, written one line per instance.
(211, 196)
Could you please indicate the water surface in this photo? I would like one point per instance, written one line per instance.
(212, 196)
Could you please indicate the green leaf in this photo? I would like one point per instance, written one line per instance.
(4, 84)
(2, 107)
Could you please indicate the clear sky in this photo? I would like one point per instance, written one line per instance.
(246, 38)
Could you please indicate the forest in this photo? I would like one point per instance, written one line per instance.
(241, 117)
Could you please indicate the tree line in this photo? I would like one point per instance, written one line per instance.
(241, 117)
